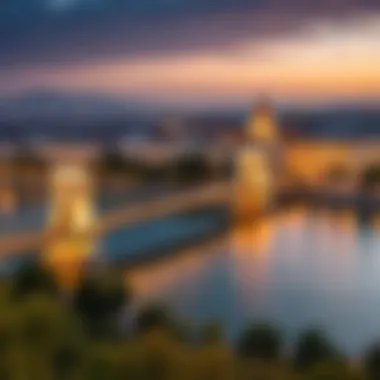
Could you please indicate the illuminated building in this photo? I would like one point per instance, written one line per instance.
(311, 160)
(255, 164)
(261, 127)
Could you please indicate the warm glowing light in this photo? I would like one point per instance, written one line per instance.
(71, 206)
(8, 201)
(254, 163)
(71, 219)
(252, 182)
(261, 127)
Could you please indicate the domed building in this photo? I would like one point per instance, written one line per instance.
(256, 163)
(261, 126)
(308, 160)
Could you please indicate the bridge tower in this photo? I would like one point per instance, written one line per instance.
(71, 217)
(257, 162)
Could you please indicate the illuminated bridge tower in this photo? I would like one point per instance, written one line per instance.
(71, 217)
(257, 163)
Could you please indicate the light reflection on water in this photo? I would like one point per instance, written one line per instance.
(300, 268)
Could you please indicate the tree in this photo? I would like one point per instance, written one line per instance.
(152, 317)
(260, 341)
(372, 361)
(333, 370)
(212, 333)
(312, 348)
(103, 362)
(34, 277)
(43, 320)
(99, 297)
(214, 358)
(67, 360)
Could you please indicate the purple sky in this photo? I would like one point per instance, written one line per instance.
(192, 51)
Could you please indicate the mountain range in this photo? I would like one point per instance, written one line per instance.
(49, 113)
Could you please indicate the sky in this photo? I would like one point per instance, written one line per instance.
(216, 52)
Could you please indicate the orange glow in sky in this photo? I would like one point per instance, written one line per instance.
(323, 60)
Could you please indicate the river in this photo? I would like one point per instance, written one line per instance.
(300, 268)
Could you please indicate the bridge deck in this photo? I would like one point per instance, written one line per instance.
(182, 201)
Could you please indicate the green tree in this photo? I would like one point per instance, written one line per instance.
(312, 347)
(152, 317)
(371, 361)
(98, 299)
(212, 333)
(214, 359)
(335, 370)
(261, 341)
(34, 277)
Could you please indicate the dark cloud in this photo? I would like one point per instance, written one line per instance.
(33, 33)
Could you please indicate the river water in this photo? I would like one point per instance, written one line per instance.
(300, 268)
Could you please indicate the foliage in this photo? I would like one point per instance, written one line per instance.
(34, 277)
(152, 317)
(312, 348)
(99, 297)
(42, 337)
(257, 369)
(214, 359)
(261, 341)
(372, 361)
(332, 370)
(212, 333)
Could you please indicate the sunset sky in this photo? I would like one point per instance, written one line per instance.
(193, 51)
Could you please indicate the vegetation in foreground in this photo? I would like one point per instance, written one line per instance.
(45, 335)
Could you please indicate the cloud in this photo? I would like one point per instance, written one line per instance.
(191, 49)
(100, 30)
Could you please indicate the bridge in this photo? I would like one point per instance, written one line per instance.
(72, 227)
(182, 201)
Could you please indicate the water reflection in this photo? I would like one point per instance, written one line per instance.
(298, 268)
